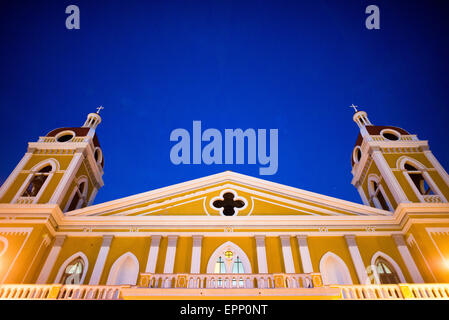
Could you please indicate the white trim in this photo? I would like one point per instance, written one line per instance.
(54, 167)
(363, 195)
(391, 131)
(438, 230)
(261, 254)
(407, 257)
(69, 173)
(153, 254)
(354, 157)
(401, 166)
(5, 245)
(15, 231)
(196, 254)
(79, 254)
(45, 241)
(389, 178)
(307, 266)
(221, 197)
(12, 177)
(78, 182)
(287, 254)
(101, 259)
(63, 133)
(357, 259)
(372, 193)
(343, 267)
(411, 241)
(51, 259)
(115, 269)
(209, 181)
(436, 164)
(393, 264)
(237, 251)
(170, 254)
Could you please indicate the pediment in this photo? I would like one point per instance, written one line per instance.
(251, 196)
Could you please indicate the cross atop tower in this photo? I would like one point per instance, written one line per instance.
(99, 109)
(355, 108)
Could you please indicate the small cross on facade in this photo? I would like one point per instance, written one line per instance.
(355, 107)
(99, 109)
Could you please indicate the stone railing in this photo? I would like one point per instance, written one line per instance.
(230, 281)
(60, 292)
(411, 137)
(395, 291)
(432, 198)
(25, 200)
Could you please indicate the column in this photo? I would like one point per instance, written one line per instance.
(70, 172)
(51, 259)
(261, 254)
(152, 256)
(101, 259)
(170, 256)
(436, 164)
(407, 257)
(287, 253)
(196, 254)
(12, 177)
(390, 179)
(357, 259)
(304, 253)
(362, 194)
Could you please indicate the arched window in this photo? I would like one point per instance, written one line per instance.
(34, 185)
(386, 273)
(378, 197)
(334, 270)
(36, 182)
(73, 272)
(418, 179)
(229, 258)
(125, 270)
(79, 196)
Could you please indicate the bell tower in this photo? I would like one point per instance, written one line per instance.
(392, 166)
(65, 167)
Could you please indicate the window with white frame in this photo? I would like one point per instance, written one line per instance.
(377, 195)
(73, 272)
(79, 196)
(36, 182)
(416, 175)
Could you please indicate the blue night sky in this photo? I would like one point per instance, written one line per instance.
(156, 66)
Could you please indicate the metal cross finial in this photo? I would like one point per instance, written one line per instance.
(99, 109)
(353, 106)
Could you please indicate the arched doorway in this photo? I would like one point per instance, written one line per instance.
(334, 270)
(125, 270)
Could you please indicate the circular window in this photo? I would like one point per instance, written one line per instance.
(65, 136)
(390, 135)
(357, 154)
(98, 155)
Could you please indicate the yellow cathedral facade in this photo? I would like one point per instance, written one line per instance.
(228, 235)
